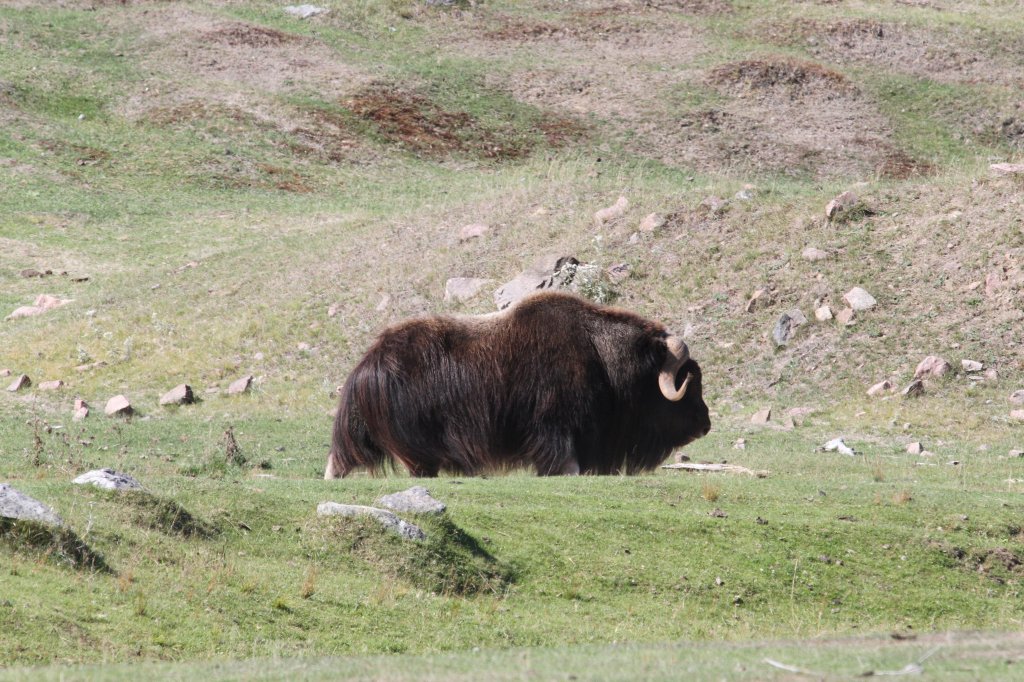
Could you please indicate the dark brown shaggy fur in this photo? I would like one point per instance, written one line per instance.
(555, 383)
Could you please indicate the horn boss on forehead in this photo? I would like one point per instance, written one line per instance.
(555, 383)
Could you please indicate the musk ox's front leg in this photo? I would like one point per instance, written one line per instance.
(555, 456)
(335, 468)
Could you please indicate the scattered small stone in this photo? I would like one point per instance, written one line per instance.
(762, 416)
(719, 581)
(90, 365)
(680, 457)
(915, 449)
(20, 383)
(613, 212)
(463, 288)
(971, 365)
(332, 310)
(845, 317)
(473, 231)
(759, 299)
(914, 389)
(783, 330)
(108, 479)
(15, 504)
(881, 387)
(303, 347)
(843, 202)
(54, 385)
(618, 273)
(651, 222)
(1015, 453)
(80, 413)
(859, 299)
(118, 406)
(386, 518)
(5, 372)
(823, 314)
(993, 283)
(991, 376)
(1017, 397)
(304, 11)
(383, 304)
(1017, 414)
(740, 444)
(927, 453)
(814, 254)
(746, 194)
(797, 317)
(718, 513)
(796, 416)
(761, 522)
(838, 445)
(416, 500)
(932, 366)
(28, 273)
(713, 206)
(1007, 168)
(241, 385)
(179, 395)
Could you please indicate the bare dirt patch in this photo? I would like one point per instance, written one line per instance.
(251, 36)
(794, 78)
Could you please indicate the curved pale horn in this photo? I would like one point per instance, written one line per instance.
(677, 356)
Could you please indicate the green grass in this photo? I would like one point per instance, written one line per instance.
(214, 247)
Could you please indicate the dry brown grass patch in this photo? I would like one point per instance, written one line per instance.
(251, 36)
(798, 78)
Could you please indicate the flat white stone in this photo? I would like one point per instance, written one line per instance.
(108, 479)
(386, 518)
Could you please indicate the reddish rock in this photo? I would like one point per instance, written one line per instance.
(5, 372)
(845, 317)
(932, 366)
(613, 212)
(473, 231)
(1007, 168)
(118, 406)
(179, 395)
(80, 414)
(54, 385)
(1017, 414)
(651, 222)
(79, 404)
(762, 416)
(915, 449)
(20, 383)
(813, 254)
(241, 385)
(843, 202)
(618, 273)
(1017, 397)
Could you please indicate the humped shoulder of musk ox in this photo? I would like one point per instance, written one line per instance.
(556, 382)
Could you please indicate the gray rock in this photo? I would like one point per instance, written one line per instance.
(54, 385)
(179, 395)
(386, 518)
(859, 299)
(21, 382)
(17, 505)
(1017, 415)
(545, 273)
(845, 317)
(823, 314)
(473, 231)
(1017, 397)
(108, 479)
(783, 330)
(914, 389)
(651, 222)
(915, 448)
(118, 406)
(241, 385)
(762, 416)
(618, 273)
(304, 11)
(463, 288)
(971, 365)
(416, 500)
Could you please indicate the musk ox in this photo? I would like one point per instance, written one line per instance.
(556, 382)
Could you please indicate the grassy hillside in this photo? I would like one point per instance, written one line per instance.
(220, 189)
